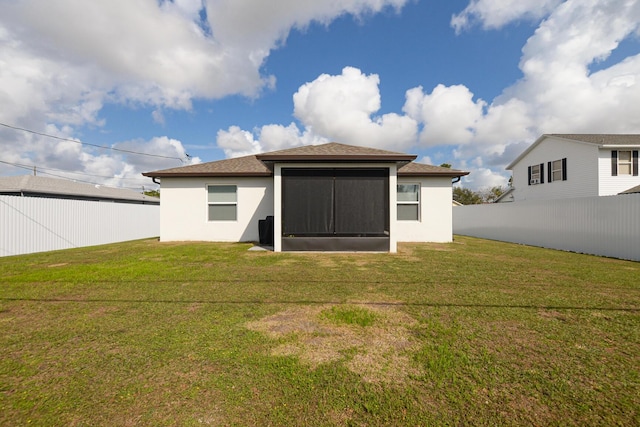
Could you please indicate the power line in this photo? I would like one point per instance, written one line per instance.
(44, 169)
(91, 145)
(44, 172)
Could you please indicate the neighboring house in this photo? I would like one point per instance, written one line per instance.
(54, 188)
(633, 190)
(560, 166)
(325, 197)
(505, 197)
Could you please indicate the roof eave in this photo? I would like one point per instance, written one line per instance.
(451, 174)
(609, 146)
(205, 174)
(526, 151)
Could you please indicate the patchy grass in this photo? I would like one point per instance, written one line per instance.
(350, 315)
(469, 333)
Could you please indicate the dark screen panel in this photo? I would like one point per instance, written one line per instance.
(335, 202)
(307, 202)
(361, 202)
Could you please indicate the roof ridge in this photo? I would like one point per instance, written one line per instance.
(329, 145)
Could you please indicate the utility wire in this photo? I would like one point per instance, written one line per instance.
(92, 145)
(42, 168)
(43, 171)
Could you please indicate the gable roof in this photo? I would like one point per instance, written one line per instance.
(599, 139)
(261, 164)
(39, 186)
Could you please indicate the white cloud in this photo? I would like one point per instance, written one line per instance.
(341, 108)
(236, 142)
(61, 61)
(562, 93)
(68, 158)
(483, 178)
(448, 114)
(558, 92)
(331, 108)
(493, 14)
(161, 53)
(158, 117)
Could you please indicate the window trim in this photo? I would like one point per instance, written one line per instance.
(615, 163)
(561, 170)
(417, 203)
(627, 163)
(223, 203)
(536, 178)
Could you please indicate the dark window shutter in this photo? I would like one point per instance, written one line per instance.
(549, 177)
(529, 176)
(564, 169)
(541, 173)
(635, 162)
(614, 163)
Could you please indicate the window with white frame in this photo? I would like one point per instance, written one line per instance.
(408, 196)
(535, 175)
(624, 162)
(222, 201)
(556, 170)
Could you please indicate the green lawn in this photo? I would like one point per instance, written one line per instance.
(469, 333)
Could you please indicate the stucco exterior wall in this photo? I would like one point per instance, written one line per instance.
(582, 167)
(183, 209)
(435, 223)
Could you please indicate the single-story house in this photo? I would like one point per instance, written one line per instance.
(559, 166)
(330, 197)
(56, 188)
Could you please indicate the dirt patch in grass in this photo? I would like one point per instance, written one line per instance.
(378, 352)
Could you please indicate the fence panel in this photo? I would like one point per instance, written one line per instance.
(606, 226)
(34, 224)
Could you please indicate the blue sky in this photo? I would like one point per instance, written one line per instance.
(466, 82)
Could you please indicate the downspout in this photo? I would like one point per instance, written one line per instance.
(154, 180)
(458, 178)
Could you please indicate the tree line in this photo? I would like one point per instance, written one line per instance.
(466, 196)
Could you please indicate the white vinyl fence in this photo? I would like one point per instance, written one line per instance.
(34, 224)
(606, 226)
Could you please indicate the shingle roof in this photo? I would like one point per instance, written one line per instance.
(334, 151)
(39, 185)
(421, 169)
(602, 138)
(239, 166)
(632, 190)
(259, 165)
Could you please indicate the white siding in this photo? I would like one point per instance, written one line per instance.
(435, 224)
(609, 185)
(607, 226)
(36, 224)
(184, 209)
(582, 164)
